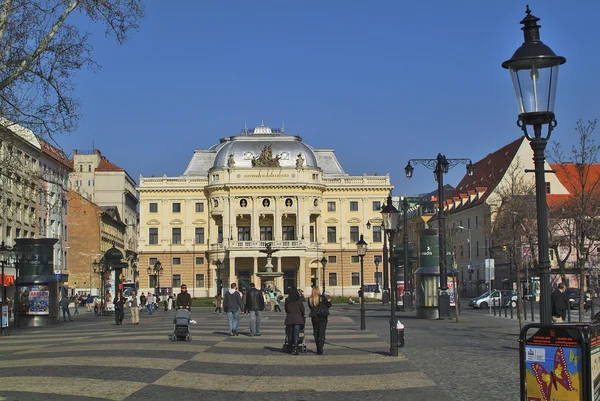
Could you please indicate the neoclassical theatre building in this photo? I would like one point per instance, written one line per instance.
(257, 187)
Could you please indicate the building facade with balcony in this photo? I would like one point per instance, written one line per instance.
(258, 187)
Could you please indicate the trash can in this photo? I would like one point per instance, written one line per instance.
(400, 333)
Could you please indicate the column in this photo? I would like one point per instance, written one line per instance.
(302, 274)
(277, 219)
(226, 216)
(188, 230)
(254, 229)
(233, 219)
(343, 234)
(232, 277)
(165, 235)
(299, 217)
(363, 228)
(255, 270)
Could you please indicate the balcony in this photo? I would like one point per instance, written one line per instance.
(250, 245)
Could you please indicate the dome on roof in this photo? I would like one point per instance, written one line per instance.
(240, 151)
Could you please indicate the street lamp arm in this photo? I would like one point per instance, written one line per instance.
(432, 163)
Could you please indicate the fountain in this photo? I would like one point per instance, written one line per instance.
(267, 278)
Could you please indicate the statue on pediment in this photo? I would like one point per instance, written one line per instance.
(266, 158)
(299, 161)
(231, 161)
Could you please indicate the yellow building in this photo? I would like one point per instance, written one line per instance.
(258, 187)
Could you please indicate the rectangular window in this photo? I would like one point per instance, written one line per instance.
(331, 259)
(376, 206)
(378, 276)
(331, 234)
(354, 237)
(243, 233)
(332, 279)
(376, 233)
(354, 259)
(331, 206)
(476, 222)
(176, 235)
(176, 207)
(547, 187)
(288, 233)
(266, 233)
(199, 280)
(152, 280)
(176, 280)
(199, 235)
(220, 234)
(353, 206)
(199, 207)
(153, 236)
(355, 278)
(152, 261)
(153, 207)
(311, 233)
(176, 261)
(477, 248)
(199, 260)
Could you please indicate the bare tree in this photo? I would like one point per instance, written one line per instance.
(513, 223)
(40, 52)
(579, 214)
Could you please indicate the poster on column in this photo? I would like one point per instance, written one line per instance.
(4, 316)
(451, 291)
(553, 366)
(34, 299)
(595, 360)
(400, 293)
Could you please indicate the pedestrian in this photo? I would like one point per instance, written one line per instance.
(143, 300)
(559, 305)
(294, 320)
(244, 297)
(76, 304)
(267, 301)
(64, 303)
(150, 303)
(276, 302)
(232, 305)
(319, 313)
(255, 304)
(134, 305)
(361, 291)
(184, 299)
(119, 303)
(218, 304)
(301, 293)
(89, 302)
(170, 302)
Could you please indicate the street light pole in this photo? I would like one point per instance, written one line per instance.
(5, 253)
(219, 264)
(407, 297)
(390, 222)
(534, 72)
(440, 166)
(361, 249)
(323, 263)
(377, 261)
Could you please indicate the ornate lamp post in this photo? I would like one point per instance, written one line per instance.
(390, 223)
(100, 269)
(323, 263)
(156, 270)
(440, 166)
(361, 249)
(534, 72)
(377, 261)
(407, 297)
(219, 265)
(6, 252)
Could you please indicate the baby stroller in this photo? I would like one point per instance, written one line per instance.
(300, 346)
(181, 328)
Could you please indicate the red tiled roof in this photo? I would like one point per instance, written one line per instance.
(569, 175)
(55, 153)
(105, 165)
(488, 173)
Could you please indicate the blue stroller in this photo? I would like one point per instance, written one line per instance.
(181, 326)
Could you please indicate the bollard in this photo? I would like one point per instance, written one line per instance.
(400, 330)
(505, 310)
(524, 309)
(511, 309)
(494, 306)
(532, 310)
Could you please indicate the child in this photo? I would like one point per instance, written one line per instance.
(219, 303)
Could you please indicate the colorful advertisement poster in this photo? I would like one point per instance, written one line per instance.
(34, 299)
(4, 316)
(553, 369)
(595, 361)
(400, 293)
(452, 293)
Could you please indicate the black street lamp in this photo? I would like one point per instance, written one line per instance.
(534, 72)
(377, 261)
(156, 270)
(5, 254)
(440, 166)
(323, 263)
(219, 265)
(361, 249)
(390, 223)
(407, 297)
(100, 268)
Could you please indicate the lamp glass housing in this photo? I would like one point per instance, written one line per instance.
(389, 215)
(323, 261)
(534, 82)
(361, 246)
(408, 170)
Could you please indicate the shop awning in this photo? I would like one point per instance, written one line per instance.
(8, 279)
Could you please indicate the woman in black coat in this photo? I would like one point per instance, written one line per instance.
(319, 323)
(294, 319)
(119, 303)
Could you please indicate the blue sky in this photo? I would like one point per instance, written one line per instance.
(380, 82)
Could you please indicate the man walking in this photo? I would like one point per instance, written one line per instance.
(89, 302)
(150, 303)
(134, 304)
(255, 304)
(64, 303)
(232, 305)
(559, 305)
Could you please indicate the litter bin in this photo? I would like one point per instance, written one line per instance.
(400, 332)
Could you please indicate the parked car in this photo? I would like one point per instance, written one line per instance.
(572, 296)
(497, 298)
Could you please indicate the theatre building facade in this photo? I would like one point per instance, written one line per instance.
(262, 186)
